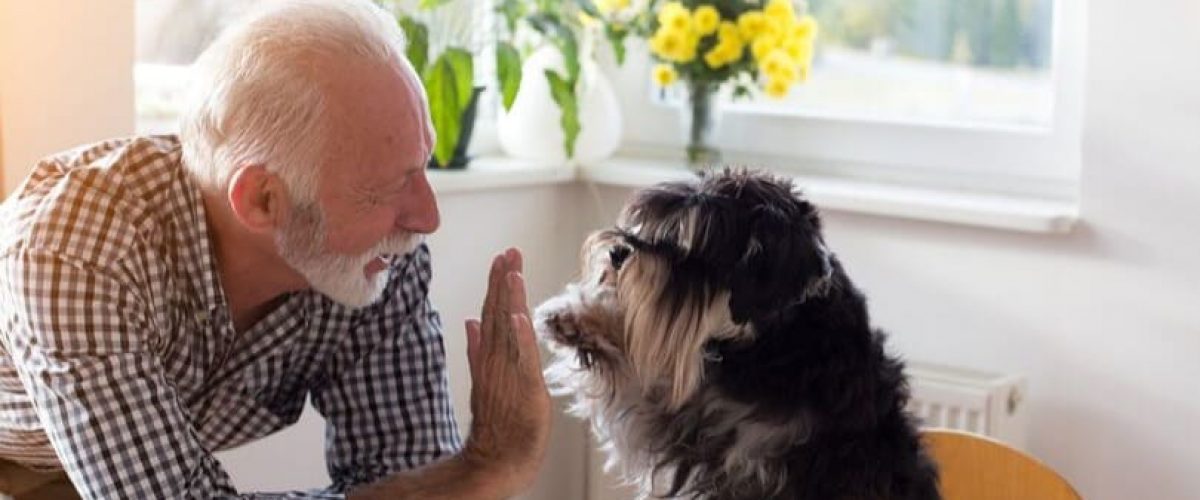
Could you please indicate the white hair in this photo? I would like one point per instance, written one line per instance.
(255, 96)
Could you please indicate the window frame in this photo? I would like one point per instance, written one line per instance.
(158, 114)
(1039, 161)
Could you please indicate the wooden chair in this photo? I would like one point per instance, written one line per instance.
(20, 483)
(974, 467)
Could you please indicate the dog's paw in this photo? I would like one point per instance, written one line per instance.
(556, 320)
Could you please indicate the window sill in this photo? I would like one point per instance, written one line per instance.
(987, 210)
(498, 172)
(997, 211)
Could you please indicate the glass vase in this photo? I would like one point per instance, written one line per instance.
(700, 118)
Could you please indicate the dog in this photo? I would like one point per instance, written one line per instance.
(721, 352)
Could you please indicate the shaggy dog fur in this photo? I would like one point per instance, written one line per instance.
(721, 352)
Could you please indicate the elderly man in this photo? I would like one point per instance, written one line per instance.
(163, 298)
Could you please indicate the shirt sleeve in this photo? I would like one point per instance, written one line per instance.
(82, 340)
(388, 409)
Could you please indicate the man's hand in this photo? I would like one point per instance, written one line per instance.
(510, 405)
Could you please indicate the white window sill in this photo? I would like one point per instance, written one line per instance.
(497, 172)
(996, 211)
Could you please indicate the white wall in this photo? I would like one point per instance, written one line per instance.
(64, 78)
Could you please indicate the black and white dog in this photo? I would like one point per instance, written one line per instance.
(721, 352)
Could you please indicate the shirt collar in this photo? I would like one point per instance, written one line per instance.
(200, 262)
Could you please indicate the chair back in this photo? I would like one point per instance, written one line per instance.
(974, 467)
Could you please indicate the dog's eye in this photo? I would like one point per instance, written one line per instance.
(586, 359)
(617, 255)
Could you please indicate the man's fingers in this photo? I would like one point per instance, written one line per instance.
(517, 297)
(495, 277)
(473, 345)
(500, 302)
(525, 341)
(501, 308)
(516, 262)
(495, 274)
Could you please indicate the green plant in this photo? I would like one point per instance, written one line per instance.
(449, 76)
(555, 22)
(447, 71)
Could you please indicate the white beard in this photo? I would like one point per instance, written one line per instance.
(339, 277)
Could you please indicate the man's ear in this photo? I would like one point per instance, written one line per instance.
(258, 198)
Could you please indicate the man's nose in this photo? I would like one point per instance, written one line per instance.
(421, 215)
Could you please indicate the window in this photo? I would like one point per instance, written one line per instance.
(980, 94)
(955, 62)
(171, 34)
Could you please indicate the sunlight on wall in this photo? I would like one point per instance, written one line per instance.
(4, 44)
(65, 78)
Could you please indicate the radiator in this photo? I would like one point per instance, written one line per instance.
(968, 400)
(943, 397)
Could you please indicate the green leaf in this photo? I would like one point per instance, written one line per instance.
(464, 74)
(563, 91)
(417, 36)
(444, 108)
(569, 47)
(513, 11)
(562, 37)
(508, 72)
(570, 51)
(589, 8)
(547, 25)
(432, 4)
(616, 38)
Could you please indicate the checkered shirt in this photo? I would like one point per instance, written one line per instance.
(121, 365)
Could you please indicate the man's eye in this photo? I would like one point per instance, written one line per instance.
(617, 255)
(374, 199)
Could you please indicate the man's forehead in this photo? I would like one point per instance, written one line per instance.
(380, 122)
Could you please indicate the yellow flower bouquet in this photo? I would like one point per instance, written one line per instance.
(757, 46)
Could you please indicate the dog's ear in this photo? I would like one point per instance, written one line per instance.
(784, 263)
